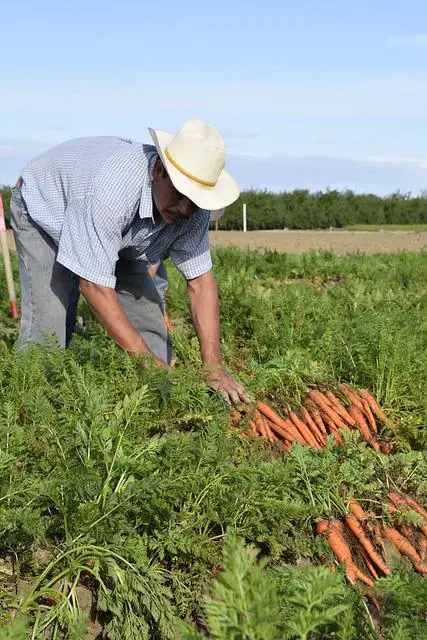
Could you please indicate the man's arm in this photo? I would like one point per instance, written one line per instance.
(204, 306)
(110, 313)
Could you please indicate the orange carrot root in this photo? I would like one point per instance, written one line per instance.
(304, 430)
(423, 548)
(326, 406)
(362, 426)
(357, 530)
(363, 577)
(364, 393)
(370, 416)
(317, 418)
(313, 426)
(333, 429)
(369, 564)
(357, 510)
(338, 546)
(405, 547)
(339, 408)
(351, 396)
(281, 427)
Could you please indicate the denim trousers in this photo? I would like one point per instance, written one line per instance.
(50, 292)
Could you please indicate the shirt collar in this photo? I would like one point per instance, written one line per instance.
(146, 200)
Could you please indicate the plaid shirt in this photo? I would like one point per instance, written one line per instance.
(92, 196)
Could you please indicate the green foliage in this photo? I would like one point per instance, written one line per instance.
(132, 483)
(5, 193)
(302, 209)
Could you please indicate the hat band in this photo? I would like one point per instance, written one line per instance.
(206, 183)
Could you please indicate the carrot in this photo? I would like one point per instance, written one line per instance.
(411, 502)
(285, 434)
(406, 530)
(423, 548)
(315, 414)
(355, 527)
(282, 427)
(338, 546)
(313, 426)
(405, 547)
(363, 577)
(340, 409)
(374, 529)
(304, 430)
(369, 564)
(333, 429)
(270, 435)
(357, 510)
(235, 417)
(362, 426)
(364, 393)
(260, 425)
(386, 448)
(415, 506)
(274, 417)
(407, 501)
(325, 405)
(319, 398)
(368, 413)
(351, 395)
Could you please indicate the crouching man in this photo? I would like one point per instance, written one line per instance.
(96, 213)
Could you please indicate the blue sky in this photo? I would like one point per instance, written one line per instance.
(310, 94)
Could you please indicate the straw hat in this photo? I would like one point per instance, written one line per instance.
(194, 158)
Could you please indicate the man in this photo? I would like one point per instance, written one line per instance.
(97, 213)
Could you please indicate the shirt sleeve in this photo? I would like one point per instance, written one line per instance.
(190, 251)
(90, 241)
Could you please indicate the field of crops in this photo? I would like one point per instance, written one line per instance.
(131, 510)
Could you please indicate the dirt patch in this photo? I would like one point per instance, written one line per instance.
(339, 242)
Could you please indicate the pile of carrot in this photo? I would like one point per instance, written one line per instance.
(322, 415)
(365, 536)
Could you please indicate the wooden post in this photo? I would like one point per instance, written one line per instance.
(244, 218)
(7, 264)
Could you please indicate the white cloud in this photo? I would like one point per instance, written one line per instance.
(414, 41)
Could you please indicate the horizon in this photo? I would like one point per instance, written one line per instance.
(306, 96)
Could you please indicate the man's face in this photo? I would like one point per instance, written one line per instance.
(172, 205)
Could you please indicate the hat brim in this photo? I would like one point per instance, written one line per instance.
(225, 192)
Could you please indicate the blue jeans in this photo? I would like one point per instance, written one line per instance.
(50, 292)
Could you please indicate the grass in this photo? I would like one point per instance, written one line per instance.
(128, 483)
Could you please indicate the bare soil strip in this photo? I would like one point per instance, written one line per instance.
(339, 242)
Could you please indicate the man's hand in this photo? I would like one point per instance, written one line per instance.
(204, 305)
(222, 382)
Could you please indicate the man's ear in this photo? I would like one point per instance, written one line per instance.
(159, 172)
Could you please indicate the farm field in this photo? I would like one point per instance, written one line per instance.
(365, 239)
(337, 241)
(129, 509)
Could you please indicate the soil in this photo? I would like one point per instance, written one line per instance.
(339, 242)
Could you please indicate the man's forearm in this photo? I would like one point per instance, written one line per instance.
(204, 306)
(109, 312)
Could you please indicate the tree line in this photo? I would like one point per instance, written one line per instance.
(303, 209)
